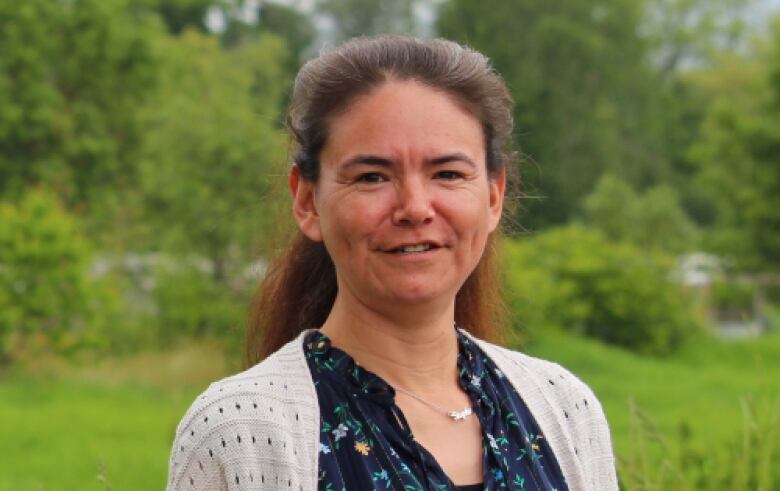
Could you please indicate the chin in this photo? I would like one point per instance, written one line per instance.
(419, 294)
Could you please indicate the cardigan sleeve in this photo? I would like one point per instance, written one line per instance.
(569, 415)
(242, 439)
(585, 423)
(194, 465)
(255, 430)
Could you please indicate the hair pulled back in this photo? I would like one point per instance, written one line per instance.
(300, 287)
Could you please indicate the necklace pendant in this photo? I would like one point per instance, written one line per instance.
(460, 415)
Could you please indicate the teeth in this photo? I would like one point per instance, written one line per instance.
(416, 248)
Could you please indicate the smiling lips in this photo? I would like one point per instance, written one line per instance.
(413, 248)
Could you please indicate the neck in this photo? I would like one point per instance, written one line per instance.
(416, 352)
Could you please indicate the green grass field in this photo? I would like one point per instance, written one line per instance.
(109, 425)
(701, 387)
(98, 426)
(706, 398)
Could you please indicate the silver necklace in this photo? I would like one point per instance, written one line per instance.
(455, 415)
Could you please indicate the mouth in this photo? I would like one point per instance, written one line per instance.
(413, 248)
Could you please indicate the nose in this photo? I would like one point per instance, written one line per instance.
(414, 205)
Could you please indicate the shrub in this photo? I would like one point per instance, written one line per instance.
(652, 219)
(44, 289)
(575, 279)
(733, 301)
(190, 303)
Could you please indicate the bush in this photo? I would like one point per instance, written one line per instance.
(652, 219)
(44, 289)
(190, 303)
(575, 279)
(733, 301)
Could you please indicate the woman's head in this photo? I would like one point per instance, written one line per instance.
(404, 203)
(331, 92)
(330, 82)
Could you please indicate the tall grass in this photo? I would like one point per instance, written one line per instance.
(98, 426)
(705, 418)
(747, 462)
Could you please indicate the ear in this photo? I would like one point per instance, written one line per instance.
(497, 184)
(304, 208)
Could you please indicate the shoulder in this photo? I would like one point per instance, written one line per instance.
(256, 429)
(549, 375)
(568, 413)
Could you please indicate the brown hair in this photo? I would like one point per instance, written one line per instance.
(300, 287)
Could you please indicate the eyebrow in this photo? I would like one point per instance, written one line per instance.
(376, 160)
(453, 157)
(366, 159)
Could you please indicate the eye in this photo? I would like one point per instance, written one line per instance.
(370, 178)
(448, 175)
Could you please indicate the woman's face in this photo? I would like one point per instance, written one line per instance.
(404, 203)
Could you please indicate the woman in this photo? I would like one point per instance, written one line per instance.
(373, 373)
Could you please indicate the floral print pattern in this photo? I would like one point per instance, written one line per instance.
(366, 443)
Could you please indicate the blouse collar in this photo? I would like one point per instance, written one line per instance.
(341, 368)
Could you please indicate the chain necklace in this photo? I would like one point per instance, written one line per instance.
(455, 415)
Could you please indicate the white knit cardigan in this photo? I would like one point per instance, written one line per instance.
(260, 429)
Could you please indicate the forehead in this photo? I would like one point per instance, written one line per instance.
(404, 116)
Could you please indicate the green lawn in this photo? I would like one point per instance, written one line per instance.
(108, 426)
(58, 435)
(62, 428)
(699, 391)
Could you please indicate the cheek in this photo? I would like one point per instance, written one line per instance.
(349, 221)
(468, 213)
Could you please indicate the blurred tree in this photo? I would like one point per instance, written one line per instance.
(296, 28)
(653, 219)
(181, 14)
(288, 23)
(365, 17)
(212, 146)
(610, 206)
(72, 76)
(298, 32)
(686, 32)
(662, 223)
(739, 155)
(684, 35)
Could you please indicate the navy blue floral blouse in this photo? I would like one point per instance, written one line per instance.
(366, 443)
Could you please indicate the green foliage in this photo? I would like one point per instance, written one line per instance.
(191, 304)
(72, 75)
(692, 31)
(738, 155)
(44, 290)
(367, 17)
(733, 300)
(296, 29)
(213, 146)
(575, 279)
(182, 14)
(652, 219)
